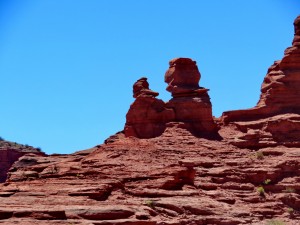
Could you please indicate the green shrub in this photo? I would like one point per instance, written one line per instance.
(289, 190)
(259, 155)
(261, 191)
(150, 203)
(267, 181)
(275, 222)
(290, 211)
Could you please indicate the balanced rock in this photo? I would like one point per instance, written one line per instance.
(280, 90)
(148, 117)
(190, 102)
(182, 77)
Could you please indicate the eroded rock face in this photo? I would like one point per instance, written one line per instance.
(280, 92)
(275, 118)
(148, 117)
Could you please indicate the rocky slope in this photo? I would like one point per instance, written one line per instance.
(174, 164)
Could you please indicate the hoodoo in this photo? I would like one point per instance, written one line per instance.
(148, 117)
(191, 103)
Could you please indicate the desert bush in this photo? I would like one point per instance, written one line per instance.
(275, 222)
(261, 191)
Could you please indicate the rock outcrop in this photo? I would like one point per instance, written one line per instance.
(276, 117)
(10, 152)
(191, 103)
(148, 116)
(280, 92)
(172, 179)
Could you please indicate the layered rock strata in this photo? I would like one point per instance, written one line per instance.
(148, 116)
(276, 117)
(174, 179)
(280, 90)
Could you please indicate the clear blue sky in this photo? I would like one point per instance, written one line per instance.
(67, 66)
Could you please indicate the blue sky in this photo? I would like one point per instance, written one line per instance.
(67, 66)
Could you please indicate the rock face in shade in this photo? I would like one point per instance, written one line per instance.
(280, 91)
(148, 116)
(11, 152)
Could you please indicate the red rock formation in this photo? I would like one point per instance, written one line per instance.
(172, 179)
(148, 117)
(275, 119)
(280, 92)
(190, 102)
(250, 177)
(182, 77)
(141, 87)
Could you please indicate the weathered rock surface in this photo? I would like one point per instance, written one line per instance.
(276, 117)
(283, 129)
(11, 152)
(147, 116)
(162, 180)
(182, 77)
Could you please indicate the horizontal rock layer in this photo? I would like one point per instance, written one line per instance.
(163, 180)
